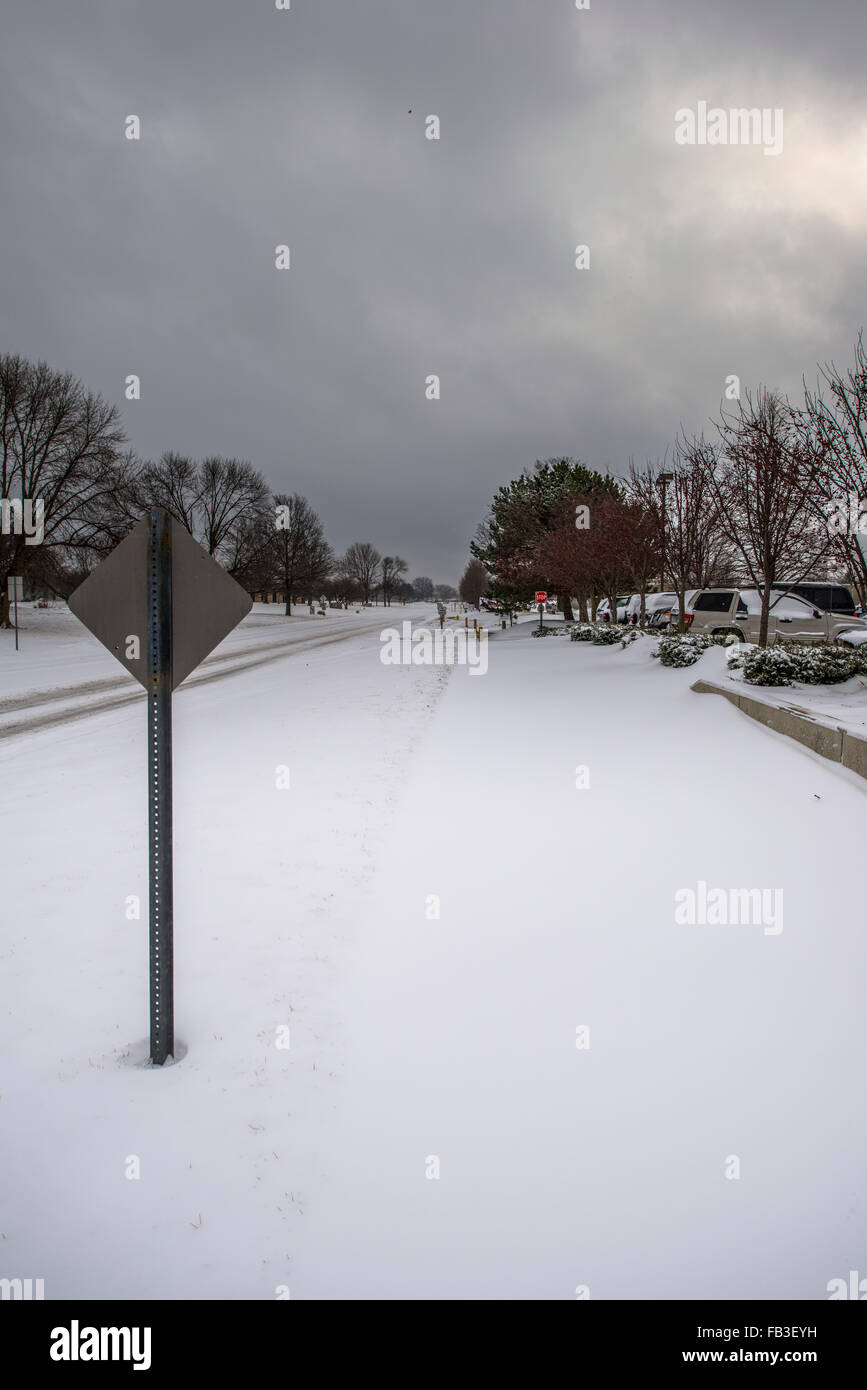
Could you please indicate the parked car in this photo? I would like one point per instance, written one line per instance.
(660, 608)
(633, 608)
(831, 598)
(603, 612)
(791, 619)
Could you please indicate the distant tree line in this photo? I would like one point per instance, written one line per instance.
(65, 445)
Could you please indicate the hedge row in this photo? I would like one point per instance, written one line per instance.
(778, 665)
(784, 665)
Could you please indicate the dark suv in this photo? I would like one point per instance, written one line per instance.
(831, 598)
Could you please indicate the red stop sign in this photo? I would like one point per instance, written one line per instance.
(541, 596)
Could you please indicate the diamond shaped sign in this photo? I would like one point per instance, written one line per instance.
(206, 602)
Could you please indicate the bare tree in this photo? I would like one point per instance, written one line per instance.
(612, 536)
(222, 502)
(763, 481)
(836, 429)
(423, 587)
(173, 484)
(361, 563)
(343, 584)
(320, 565)
(697, 551)
(390, 570)
(249, 554)
(62, 453)
(642, 489)
(231, 491)
(446, 593)
(303, 554)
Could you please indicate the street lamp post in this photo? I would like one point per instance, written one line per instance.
(663, 480)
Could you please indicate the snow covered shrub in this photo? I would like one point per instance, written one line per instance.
(684, 649)
(606, 634)
(769, 666)
(603, 634)
(827, 665)
(545, 631)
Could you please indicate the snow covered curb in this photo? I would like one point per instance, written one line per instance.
(829, 740)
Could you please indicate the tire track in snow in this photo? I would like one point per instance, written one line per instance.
(250, 658)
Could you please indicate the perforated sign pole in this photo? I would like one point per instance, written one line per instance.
(160, 604)
(159, 692)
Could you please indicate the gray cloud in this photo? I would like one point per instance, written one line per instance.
(412, 257)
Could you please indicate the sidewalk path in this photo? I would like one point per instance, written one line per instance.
(710, 1046)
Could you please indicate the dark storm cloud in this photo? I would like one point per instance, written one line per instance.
(412, 257)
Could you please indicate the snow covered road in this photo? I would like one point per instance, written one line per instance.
(436, 913)
(265, 637)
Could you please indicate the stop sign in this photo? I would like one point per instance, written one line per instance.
(541, 596)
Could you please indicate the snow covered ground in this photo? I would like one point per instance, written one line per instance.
(462, 876)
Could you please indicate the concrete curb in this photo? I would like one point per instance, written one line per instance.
(828, 740)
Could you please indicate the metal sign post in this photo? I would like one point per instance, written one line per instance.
(541, 596)
(159, 688)
(160, 604)
(15, 590)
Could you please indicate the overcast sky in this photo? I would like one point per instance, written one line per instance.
(412, 257)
